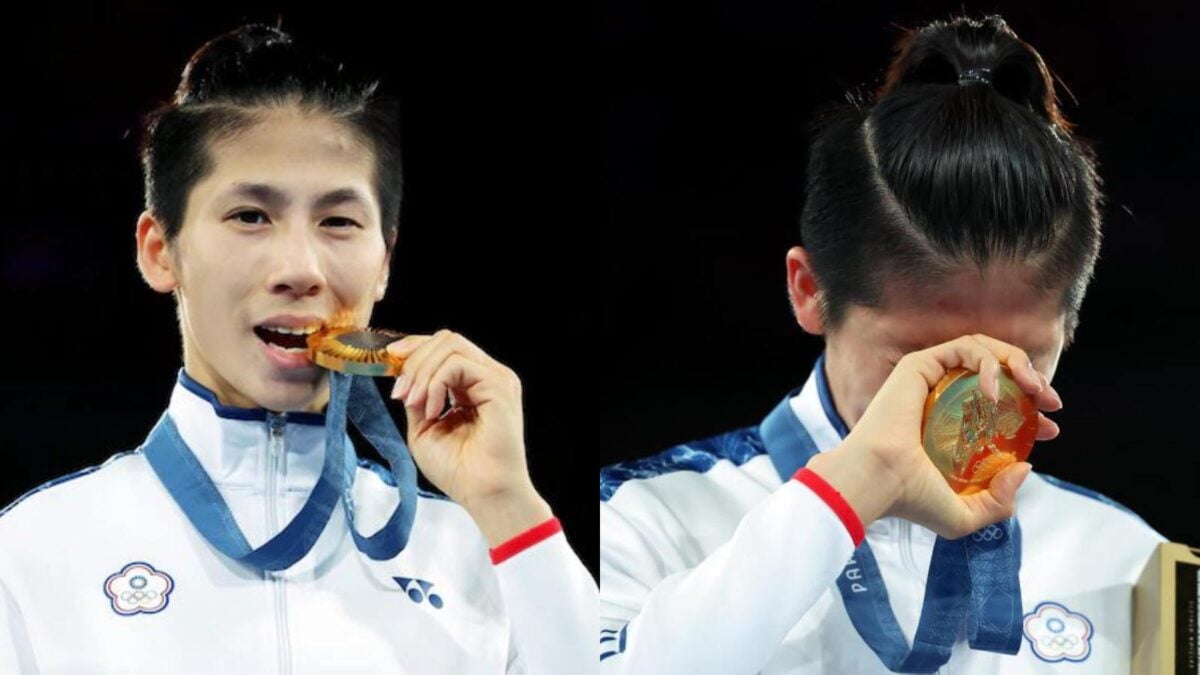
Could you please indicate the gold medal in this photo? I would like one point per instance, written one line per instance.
(345, 348)
(969, 438)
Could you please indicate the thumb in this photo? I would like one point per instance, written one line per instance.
(999, 501)
(1005, 484)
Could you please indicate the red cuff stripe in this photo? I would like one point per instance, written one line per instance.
(836, 501)
(526, 539)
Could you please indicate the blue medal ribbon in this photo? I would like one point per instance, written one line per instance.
(353, 398)
(974, 578)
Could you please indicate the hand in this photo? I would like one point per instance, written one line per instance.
(881, 467)
(475, 452)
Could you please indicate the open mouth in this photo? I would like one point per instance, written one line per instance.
(285, 338)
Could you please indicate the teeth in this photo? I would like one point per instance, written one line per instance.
(307, 330)
(290, 350)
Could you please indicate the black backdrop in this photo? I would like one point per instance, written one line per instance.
(601, 197)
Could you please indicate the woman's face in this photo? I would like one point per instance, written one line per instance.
(999, 302)
(283, 232)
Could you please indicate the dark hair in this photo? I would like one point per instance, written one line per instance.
(962, 156)
(228, 82)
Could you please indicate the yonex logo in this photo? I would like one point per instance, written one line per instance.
(418, 591)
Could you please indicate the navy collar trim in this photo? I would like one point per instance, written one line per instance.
(827, 398)
(247, 414)
(788, 443)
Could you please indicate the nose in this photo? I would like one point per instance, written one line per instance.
(296, 263)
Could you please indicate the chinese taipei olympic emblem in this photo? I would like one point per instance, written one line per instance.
(1058, 634)
(138, 589)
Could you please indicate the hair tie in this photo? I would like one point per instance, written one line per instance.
(981, 75)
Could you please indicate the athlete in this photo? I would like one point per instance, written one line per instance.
(244, 535)
(952, 221)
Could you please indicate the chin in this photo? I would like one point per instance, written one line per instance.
(286, 395)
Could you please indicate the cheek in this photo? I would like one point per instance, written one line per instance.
(353, 274)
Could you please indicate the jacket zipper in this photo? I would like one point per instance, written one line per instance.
(275, 451)
(906, 553)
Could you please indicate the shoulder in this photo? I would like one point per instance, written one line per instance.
(384, 476)
(697, 457)
(1082, 502)
(1058, 516)
(75, 510)
(70, 490)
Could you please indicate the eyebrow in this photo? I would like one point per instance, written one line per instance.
(276, 198)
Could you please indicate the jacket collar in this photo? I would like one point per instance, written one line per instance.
(233, 444)
(804, 423)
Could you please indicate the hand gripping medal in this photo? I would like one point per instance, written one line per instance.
(970, 438)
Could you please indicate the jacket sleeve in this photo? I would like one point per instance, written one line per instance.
(551, 600)
(729, 613)
(16, 654)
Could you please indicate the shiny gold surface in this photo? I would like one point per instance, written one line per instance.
(968, 437)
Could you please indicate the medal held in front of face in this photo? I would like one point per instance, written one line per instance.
(969, 438)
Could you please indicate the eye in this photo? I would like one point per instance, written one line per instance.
(345, 222)
(240, 215)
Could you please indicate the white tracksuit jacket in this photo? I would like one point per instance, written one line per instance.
(101, 572)
(714, 560)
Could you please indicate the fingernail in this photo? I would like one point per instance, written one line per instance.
(1036, 377)
(398, 390)
(1057, 398)
(400, 347)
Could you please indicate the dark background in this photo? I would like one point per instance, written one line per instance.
(601, 197)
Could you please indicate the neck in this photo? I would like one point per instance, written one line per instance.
(837, 377)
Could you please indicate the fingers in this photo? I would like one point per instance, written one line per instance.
(404, 348)
(1032, 382)
(1047, 429)
(419, 350)
(985, 355)
(439, 366)
(964, 352)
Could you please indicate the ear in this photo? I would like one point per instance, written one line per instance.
(154, 254)
(382, 282)
(804, 291)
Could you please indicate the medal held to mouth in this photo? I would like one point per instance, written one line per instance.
(358, 351)
(969, 438)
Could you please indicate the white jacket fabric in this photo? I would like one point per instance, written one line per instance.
(102, 572)
(713, 560)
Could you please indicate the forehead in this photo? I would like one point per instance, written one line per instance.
(1000, 301)
(298, 153)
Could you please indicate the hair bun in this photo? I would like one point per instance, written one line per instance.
(966, 52)
(221, 62)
